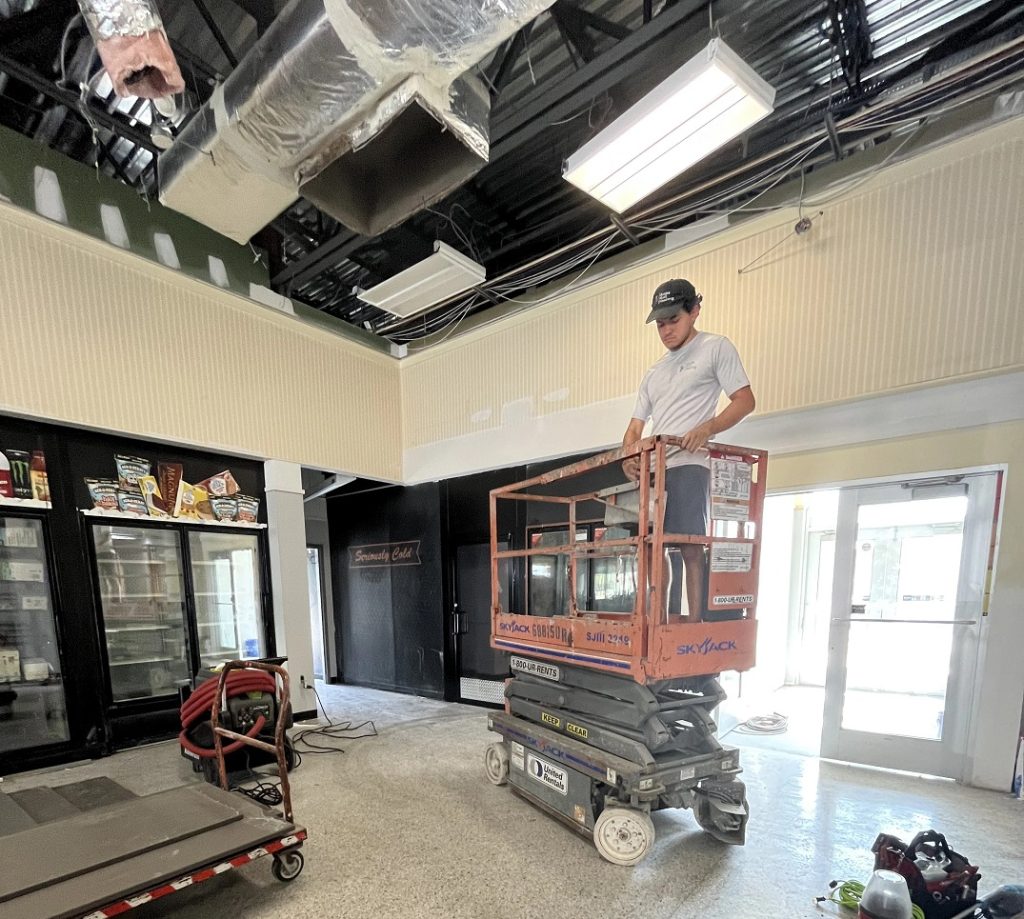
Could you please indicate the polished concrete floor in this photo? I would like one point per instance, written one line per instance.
(406, 825)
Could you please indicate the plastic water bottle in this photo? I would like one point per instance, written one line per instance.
(886, 896)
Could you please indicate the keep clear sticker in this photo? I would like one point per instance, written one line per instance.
(731, 556)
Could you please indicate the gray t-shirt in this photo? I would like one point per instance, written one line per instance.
(681, 390)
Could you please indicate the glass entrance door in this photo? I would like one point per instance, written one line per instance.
(911, 565)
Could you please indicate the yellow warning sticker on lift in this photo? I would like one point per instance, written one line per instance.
(550, 719)
(576, 729)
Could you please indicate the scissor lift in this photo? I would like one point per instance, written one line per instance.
(609, 714)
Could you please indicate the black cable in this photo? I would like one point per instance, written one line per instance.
(267, 793)
(331, 731)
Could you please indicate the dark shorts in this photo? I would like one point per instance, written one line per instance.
(686, 500)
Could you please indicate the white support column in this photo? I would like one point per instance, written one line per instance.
(286, 532)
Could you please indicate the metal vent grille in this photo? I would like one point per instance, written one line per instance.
(482, 690)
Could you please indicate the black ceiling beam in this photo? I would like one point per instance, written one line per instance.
(563, 97)
(103, 151)
(218, 35)
(600, 24)
(31, 23)
(500, 74)
(262, 11)
(304, 269)
(71, 101)
(573, 33)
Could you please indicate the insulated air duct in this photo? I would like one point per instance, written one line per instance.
(133, 46)
(364, 107)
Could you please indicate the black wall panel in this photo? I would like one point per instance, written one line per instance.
(394, 623)
(390, 617)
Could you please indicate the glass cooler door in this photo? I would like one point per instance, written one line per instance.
(142, 594)
(228, 597)
(32, 711)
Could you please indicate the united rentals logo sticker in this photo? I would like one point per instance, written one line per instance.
(385, 554)
(547, 774)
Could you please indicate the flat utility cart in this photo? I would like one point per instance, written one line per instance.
(94, 849)
(609, 714)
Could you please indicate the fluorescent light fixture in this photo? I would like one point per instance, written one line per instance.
(433, 280)
(711, 99)
(329, 485)
(695, 232)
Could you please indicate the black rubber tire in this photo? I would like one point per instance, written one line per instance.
(287, 866)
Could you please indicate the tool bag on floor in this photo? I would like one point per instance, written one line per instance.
(942, 882)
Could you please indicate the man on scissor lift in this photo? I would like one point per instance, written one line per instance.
(679, 394)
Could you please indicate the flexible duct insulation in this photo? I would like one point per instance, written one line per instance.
(364, 107)
(133, 46)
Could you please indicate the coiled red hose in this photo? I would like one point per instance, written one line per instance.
(197, 706)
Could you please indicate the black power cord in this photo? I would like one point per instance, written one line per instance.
(331, 732)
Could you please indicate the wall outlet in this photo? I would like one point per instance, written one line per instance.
(302, 682)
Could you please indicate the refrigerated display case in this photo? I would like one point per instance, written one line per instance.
(32, 701)
(142, 598)
(174, 600)
(227, 590)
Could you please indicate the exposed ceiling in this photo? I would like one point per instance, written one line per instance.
(848, 74)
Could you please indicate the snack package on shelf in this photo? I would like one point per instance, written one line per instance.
(151, 495)
(103, 493)
(225, 508)
(132, 502)
(188, 500)
(248, 508)
(220, 485)
(169, 479)
(130, 469)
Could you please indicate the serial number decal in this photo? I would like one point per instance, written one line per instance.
(550, 719)
(604, 638)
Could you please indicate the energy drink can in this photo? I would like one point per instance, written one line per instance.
(20, 473)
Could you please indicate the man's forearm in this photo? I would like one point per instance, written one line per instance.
(732, 414)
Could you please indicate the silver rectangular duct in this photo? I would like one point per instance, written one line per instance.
(366, 108)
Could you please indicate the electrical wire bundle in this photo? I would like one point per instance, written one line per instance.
(774, 723)
(847, 894)
(331, 732)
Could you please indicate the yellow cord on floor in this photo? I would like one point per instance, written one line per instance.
(848, 893)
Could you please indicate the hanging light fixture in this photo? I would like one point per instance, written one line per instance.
(713, 98)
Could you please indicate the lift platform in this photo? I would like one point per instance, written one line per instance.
(609, 714)
(115, 851)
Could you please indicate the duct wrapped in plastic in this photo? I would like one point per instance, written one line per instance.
(133, 46)
(368, 109)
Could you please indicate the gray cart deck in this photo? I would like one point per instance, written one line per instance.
(66, 851)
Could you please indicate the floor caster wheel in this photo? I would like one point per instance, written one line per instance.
(623, 836)
(287, 866)
(496, 763)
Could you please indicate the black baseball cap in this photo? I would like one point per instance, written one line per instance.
(671, 297)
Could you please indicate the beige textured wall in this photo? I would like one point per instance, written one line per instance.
(1000, 686)
(100, 338)
(912, 277)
